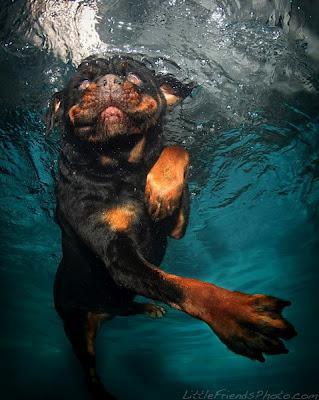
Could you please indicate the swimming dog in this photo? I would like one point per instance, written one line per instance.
(120, 193)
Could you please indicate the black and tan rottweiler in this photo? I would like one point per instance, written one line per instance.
(121, 192)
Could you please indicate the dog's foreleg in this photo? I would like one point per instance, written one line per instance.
(248, 324)
(166, 181)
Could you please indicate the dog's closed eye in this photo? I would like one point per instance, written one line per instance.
(135, 79)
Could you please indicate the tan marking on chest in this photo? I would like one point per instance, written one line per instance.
(137, 151)
(120, 218)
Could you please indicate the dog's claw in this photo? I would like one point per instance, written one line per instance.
(154, 311)
(250, 325)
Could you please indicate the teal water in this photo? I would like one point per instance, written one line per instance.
(254, 142)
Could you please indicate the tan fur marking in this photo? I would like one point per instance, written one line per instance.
(105, 161)
(93, 323)
(120, 218)
(147, 105)
(177, 232)
(73, 110)
(166, 181)
(137, 151)
(170, 97)
(92, 86)
(89, 95)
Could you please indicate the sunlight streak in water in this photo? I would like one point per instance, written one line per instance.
(68, 27)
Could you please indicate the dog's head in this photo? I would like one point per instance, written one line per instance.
(106, 98)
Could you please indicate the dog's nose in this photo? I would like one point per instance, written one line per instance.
(110, 82)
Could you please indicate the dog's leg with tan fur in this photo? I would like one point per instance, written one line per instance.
(249, 325)
(166, 182)
(81, 328)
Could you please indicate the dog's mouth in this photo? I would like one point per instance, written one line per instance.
(113, 121)
(100, 122)
(112, 115)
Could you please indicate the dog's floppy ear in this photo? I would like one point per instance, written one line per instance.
(55, 112)
(173, 90)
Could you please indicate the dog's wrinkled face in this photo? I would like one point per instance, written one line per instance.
(107, 98)
(118, 96)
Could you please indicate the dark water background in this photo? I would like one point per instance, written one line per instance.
(252, 130)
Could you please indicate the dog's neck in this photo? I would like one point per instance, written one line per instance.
(121, 152)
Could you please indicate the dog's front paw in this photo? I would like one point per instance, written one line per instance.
(162, 194)
(251, 325)
(165, 182)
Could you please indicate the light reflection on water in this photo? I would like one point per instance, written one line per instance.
(252, 130)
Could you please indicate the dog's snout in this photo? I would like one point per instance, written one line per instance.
(110, 82)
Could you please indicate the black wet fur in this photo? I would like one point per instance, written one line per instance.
(101, 270)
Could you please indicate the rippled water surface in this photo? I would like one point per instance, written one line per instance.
(251, 127)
